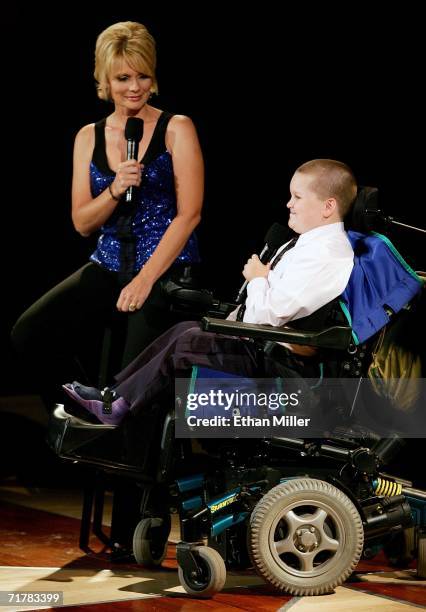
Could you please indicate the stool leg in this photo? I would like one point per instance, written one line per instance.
(98, 514)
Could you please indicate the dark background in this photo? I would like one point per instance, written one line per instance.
(267, 89)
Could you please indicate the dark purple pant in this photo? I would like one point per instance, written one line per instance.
(185, 345)
(178, 349)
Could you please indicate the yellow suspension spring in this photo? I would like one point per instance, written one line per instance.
(388, 488)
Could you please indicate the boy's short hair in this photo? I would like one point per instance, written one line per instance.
(332, 179)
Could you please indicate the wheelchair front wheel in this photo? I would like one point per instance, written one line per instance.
(211, 575)
(306, 536)
(150, 541)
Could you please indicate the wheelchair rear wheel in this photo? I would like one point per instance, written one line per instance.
(400, 551)
(150, 541)
(421, 557)
(306, 536)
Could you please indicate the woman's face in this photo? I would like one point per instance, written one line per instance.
(129, 89)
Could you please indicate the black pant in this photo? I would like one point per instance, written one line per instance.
(59, 337)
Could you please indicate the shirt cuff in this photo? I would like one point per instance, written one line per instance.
(233, 315)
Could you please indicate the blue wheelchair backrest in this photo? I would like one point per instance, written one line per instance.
(381, 284)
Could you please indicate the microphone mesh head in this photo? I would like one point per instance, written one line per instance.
(276, 235)
(134, 129)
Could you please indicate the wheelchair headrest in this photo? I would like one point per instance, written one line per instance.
(365, 215)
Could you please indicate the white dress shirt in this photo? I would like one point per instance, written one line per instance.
(311, 274)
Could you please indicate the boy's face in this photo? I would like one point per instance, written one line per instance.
(306, 208)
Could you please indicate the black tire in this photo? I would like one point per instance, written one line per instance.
(421, 556)
(150, 541)
(306, 537)
(400, 550)
(213, 573)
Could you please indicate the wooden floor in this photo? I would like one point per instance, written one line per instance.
(40, 552)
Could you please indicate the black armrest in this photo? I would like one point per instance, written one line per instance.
(336, 337)
(195, 300)
(188, 295)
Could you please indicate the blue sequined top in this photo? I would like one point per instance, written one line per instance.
(133, 231)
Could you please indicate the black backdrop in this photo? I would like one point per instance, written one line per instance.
(267, 90)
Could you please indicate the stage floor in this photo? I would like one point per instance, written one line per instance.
(39, 530)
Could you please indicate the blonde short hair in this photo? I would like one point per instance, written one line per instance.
(332, 179)
(129, 41)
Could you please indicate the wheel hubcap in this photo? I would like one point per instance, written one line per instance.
(307, 538)
(303, 540)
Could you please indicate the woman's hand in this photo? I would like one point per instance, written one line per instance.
(133, 295)
(128, 173)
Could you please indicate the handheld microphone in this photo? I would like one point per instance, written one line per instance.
(133, 133)
(276, 236)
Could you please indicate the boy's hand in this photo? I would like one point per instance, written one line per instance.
(255, 268)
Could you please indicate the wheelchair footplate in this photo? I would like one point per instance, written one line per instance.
(124, 448)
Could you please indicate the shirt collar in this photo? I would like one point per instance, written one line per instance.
(322, 230)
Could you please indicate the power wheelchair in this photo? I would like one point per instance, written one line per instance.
(301, 511)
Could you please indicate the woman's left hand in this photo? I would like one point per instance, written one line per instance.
(133, 295)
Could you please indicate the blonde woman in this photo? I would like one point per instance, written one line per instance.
(139, 242)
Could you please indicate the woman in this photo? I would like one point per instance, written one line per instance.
(141, 241)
